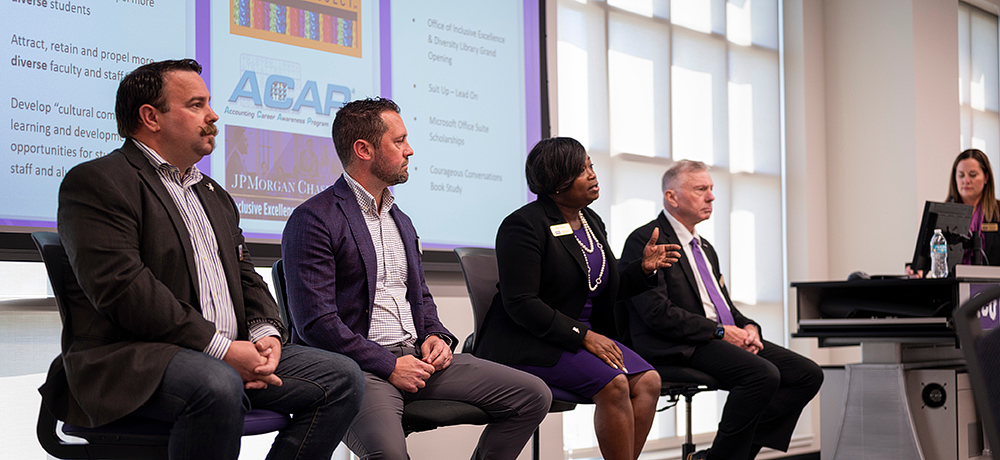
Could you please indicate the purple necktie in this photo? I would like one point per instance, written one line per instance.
(721, 308)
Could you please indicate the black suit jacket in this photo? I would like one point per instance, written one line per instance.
(543, 287)
(669, 321)
(991, 245)
(136, 303)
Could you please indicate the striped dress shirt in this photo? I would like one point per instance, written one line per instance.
(213, 291)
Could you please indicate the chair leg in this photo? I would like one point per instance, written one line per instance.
(535, 444)
(688, 446)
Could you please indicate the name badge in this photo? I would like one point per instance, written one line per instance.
(561, 229)
(989, 227)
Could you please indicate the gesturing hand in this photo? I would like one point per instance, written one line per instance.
(604, 348)
(656, 256)
(410, 373)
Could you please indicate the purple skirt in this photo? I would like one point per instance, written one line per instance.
(580, 371)
(583, 373)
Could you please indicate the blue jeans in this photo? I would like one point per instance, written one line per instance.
(205, 400)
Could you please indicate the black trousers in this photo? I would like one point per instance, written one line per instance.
(767, 393)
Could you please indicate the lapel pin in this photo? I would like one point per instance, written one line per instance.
(210, 187)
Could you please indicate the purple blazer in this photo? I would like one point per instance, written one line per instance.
(330, 269)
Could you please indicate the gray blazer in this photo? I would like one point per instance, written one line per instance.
(136, 303)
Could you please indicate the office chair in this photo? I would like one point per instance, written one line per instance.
(127, 438)
(684, 382)
(421, 415)
(479, 267)
(981, 347)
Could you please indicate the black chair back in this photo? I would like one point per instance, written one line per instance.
(145, 440)
(981, 348)
(57, 267)
(479, 267)
(129, 437)
(278, 276)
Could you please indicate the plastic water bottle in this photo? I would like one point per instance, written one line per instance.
(939, 255)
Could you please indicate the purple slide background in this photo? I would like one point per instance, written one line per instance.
(203, 54)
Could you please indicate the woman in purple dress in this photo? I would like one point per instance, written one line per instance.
(555, 313)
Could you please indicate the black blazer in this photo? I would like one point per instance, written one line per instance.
(543, 287)
(669, 321)
(137, 304)
(991, 244)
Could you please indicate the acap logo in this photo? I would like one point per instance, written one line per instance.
(278, 93)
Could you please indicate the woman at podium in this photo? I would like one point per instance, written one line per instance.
(972, 184)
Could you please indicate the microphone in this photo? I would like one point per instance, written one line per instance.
(977, 248)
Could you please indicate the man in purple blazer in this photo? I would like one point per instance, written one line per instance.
(356, 286)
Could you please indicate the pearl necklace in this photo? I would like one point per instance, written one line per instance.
(592, 241)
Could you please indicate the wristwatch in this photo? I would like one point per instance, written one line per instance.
(720, 332)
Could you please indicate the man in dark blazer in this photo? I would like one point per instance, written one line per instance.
(356, 286)
(689, 320)
(169, 320)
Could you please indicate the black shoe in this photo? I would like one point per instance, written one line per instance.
(700, 455)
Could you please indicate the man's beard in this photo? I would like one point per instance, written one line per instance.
(381, 171)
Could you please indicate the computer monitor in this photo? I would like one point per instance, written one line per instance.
(953, 219)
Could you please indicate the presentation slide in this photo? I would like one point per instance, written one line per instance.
(466, 76)
(65, 61)
(460, 81)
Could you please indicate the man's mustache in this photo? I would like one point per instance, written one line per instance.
(209, 130)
